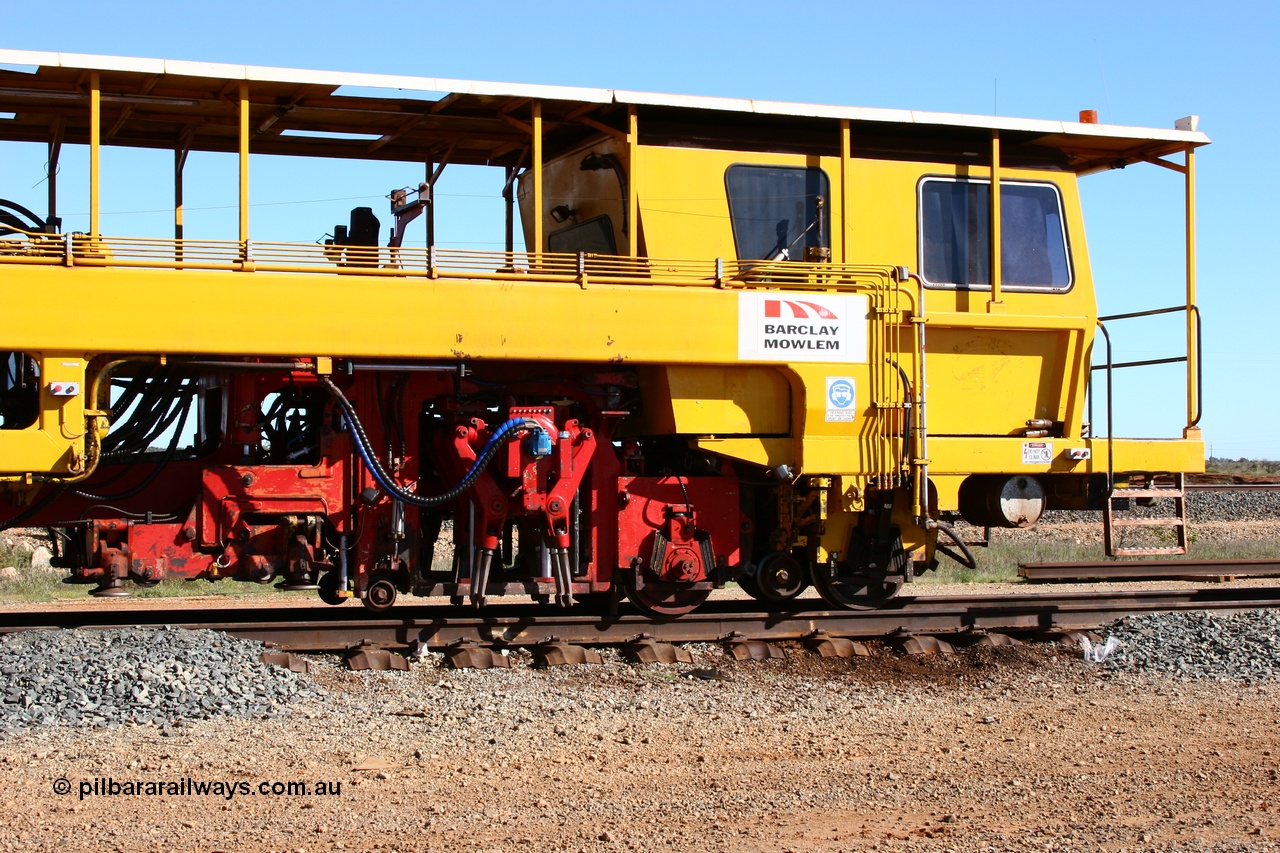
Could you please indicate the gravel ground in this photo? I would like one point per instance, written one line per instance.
(1241, 647)
(1171, 744)
(164, 676)
(1022, 748)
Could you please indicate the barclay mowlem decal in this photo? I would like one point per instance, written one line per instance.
(819, 327)
(799, 336)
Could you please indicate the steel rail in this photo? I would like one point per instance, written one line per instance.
(1149, 569)
(331, 629)
(1230, 487)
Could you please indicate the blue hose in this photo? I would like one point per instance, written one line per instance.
(504, 433)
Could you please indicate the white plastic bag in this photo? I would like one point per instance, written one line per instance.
(1100, 652)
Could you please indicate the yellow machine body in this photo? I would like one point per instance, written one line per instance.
(633, 264)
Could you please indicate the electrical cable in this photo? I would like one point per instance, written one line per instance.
(154, 516)
(179, 402)
(139, 430)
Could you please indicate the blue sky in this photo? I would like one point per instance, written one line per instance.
(1136, 63)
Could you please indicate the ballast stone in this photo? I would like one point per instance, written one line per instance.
(1202, 506)
(1198, 645)
(147, 676)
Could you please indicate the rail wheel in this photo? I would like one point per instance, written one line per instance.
(381, 593)
(854, 591)
(667, 599)
(778, 577)
(329, 589)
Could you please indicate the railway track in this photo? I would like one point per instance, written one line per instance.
(1232, 487)
(1149, 570)
(332, 629)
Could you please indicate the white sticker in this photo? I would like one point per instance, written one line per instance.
(1037, 452)
(800, 327)
(841, 399)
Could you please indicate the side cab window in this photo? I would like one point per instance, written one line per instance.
(955, 235)
(778, 212)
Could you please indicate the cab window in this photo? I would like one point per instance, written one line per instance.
(778, 211)
(955, 234)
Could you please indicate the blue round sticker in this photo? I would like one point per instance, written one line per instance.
(841, 394)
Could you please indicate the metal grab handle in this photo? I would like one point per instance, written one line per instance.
(1192, 310)
(1195, 310)
(1153, 312)
(1111, 456)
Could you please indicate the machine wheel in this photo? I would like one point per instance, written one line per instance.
(381, 593)
(114, 589)
(329, 589)
(854, 592)
(779, 576)
(667, 599)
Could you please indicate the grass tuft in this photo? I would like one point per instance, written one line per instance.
(40, 586)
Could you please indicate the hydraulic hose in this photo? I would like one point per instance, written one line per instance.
(504, 433)
(969, 561)
(183, 409)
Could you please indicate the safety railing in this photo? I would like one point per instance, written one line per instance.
(1194, 380)
(21, 247)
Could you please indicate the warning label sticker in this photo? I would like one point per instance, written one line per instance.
(802, 327)
(841, 398)
(1037, 452)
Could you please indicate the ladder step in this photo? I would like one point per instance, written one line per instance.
(1117, 494)
(1152, 487)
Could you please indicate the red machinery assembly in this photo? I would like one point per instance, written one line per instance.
(307, 489)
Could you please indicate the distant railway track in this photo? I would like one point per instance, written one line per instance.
(332, 629)
(1232, 487)
(1184, 569)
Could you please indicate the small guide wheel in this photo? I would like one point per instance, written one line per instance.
(779, 576)
(381, 592)
(329, 589)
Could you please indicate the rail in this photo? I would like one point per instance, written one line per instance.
(1231, 487)
(1194, 381)
(1149, 570)
(335, 628)
(27, 247)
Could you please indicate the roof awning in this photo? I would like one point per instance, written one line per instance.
(151, 103)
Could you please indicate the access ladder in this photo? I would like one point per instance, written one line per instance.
(1145, 489)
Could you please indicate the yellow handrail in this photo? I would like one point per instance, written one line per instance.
(18, 246)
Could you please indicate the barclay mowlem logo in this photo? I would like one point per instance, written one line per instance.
(800, 336)
(802, 327)
(800, 310)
